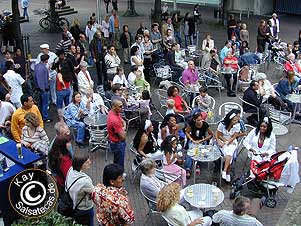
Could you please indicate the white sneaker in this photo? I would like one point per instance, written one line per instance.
(224, 176)
(228, 178)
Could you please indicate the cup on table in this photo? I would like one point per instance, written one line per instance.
(189, 192)
(19, 149)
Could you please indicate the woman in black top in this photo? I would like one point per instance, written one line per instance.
(145, 142)
(20, 61)
(197, 132)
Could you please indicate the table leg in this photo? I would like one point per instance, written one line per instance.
(194, 169)
(221, 170)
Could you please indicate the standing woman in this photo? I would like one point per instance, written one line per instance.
(136, 58)
(149, 49)
(105, 28)
(59, 160)
(20, 63)
(231, 26)
(261, 141)
(261, 36)
(227, 132)
(189, 29)
(196, 14)
(81, 192)
(75, 29)
(176, 23)
(63, 92)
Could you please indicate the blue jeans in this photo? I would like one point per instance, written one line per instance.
(44, 104)
(81, 127)
(62, 97)
(178, 37)
(25, 12)
(84, 217)
(190, 39)
(118, 150)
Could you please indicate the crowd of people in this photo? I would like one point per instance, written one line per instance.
(62, 79)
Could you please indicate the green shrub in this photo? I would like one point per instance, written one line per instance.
(52, 219)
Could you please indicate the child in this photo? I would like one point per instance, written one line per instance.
(170, 106)
(144, 102)
(141, 82)
(203, 101)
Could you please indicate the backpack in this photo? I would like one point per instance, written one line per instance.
(65, 205)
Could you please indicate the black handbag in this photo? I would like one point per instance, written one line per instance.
(65, 205)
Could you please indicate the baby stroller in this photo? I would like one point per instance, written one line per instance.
(263, 179)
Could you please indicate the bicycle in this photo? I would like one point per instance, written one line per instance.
(45, 23)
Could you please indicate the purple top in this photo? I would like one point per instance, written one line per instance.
(190, 75)
(41, 76)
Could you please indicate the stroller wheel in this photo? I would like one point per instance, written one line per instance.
(270, 202)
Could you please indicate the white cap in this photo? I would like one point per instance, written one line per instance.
(44, 46)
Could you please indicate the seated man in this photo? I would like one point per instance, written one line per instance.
(252, 96)
(231, 62)
(243, 213)
(96, 103)
(190, 77)
(211, 64)
(170, 60)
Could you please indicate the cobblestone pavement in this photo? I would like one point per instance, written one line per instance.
(269, 217)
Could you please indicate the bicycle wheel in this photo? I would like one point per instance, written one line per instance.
(62, 22)
(44, 23)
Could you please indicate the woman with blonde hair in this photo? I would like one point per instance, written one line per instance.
(175, 214)
(75, 29)
(34, 136)
(105, 28)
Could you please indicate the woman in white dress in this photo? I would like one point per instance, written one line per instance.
(261, 141)
(85, 83)
(227, 132)
(105, 28)
(136, 58)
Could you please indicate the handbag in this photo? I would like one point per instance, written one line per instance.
(65, 205)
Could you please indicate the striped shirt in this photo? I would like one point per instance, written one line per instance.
(39, 140)
(228, 218)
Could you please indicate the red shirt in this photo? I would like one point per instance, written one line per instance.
(66, 163)
(233, 66)
(178, 102)
(114, 123)
(59, 86)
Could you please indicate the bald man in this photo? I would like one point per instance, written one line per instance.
(116, 130)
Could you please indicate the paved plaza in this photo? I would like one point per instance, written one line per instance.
(287, 211)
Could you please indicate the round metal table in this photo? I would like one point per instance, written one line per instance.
(97, 120)
(296, 99)
(206, 153)
(279, 129)
(203, 196)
